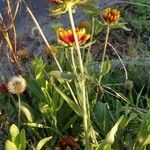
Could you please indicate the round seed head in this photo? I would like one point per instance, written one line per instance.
(17, 85)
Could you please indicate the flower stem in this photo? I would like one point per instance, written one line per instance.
(104, 53)
(75, 38)
(19, 108)
(86, 117)
(73, 61)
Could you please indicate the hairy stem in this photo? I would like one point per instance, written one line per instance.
(104, 53)
(86, 118)
(19, 108)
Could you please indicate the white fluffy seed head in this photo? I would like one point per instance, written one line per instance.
(17, 85)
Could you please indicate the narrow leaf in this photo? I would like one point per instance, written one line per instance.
(71, 103)
(42, 143)
(25, 110)
(110, 136)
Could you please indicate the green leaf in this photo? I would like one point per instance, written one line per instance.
(120, 25)
(56, 26)
(106, 68)
(109, 140)
(98, 26)
(10, 145)
(26, 110)
(37, 125)
(35, 89)
(144, 133)
(14, 131)
(91, 9)
(102, 117)
(20, 140)
(70, 102)
(62, 76)
(38, 66)
(42, 143)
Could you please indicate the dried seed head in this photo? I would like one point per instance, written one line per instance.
(17, 85)
(23, 54)
(128, 84)
(85, 24)
(53, 49)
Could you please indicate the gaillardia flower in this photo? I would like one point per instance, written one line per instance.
(16, 85)
(111, 16)
(66, 37)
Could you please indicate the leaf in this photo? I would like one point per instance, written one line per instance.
(144, 133)
(14, 131)
(110, 136)
(38, 65)
(10, 145)
(71, 103)
(120, 25)
(42, 143)
(26, 110)
(91, 9)
(106, 68)
(102, 117)
(56, 26)
(35, 89)
(63, 76)
(20, 140)
(98, 26)
(37, 125)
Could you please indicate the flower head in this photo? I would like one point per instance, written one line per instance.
(17, 85)
(23, 54)
(67, 141)
(66, 37)
(53, 50)
(85, 24)
(111, 15)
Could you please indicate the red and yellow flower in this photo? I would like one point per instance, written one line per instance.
(66, 37)
(111, 15)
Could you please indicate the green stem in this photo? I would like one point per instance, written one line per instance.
(104, 53)
(86, 118)
(19, 108)
(75, 38)
(73, 61)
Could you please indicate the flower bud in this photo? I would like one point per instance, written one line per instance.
(111, 15)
